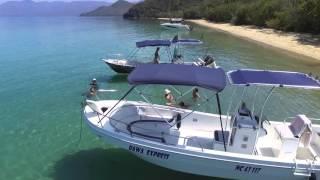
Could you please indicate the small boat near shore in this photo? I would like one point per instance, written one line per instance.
(121, 66)
(124, 66)
(177, 24)
(242, 145)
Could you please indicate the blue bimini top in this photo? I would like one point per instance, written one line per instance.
(151, 43)
(179, 74)
(273, 78)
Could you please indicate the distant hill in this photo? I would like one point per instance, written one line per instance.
(119, 8)
(54, 8)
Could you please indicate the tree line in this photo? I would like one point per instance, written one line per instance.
(286, 15)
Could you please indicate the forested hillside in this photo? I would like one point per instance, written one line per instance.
(116, 9)
(287, 15)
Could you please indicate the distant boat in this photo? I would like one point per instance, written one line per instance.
(176, 23)
(237, 146)
(125, 66)
(121, 66)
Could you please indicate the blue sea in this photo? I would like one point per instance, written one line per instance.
(46, 64)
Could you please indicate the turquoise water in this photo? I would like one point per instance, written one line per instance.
(46, 64)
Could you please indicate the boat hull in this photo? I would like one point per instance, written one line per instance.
(196, 163)
(175, 26)
(121, 68)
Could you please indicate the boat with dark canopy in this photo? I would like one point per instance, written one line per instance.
(241, 145)
(126, 65)
(176, 24)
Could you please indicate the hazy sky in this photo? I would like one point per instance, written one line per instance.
(1, 1)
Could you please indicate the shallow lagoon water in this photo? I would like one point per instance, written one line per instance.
(46, 64)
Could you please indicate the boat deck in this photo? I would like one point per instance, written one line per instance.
(201, 131)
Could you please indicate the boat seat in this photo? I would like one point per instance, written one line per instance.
(295, 129)
(218, 136)
(291, 136)
(284, 132)
(315, 144)
(100, 110)
(147, 113)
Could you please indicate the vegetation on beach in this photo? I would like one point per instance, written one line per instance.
(286, 15)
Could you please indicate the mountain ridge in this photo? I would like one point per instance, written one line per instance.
(118, 8)
(45, 8)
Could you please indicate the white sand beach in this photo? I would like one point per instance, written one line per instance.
(302, 44)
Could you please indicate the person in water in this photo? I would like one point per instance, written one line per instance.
(210, 61)
(156, 59)
(183, 105)
(168, 97)
(93, 87)
(195, 94)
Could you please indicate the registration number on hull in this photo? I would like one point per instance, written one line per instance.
(247, 169)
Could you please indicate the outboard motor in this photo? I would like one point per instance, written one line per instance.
(208, 60)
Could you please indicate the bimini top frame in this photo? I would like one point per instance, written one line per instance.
(247, 77)
(184, 75)
(167, 43)
(179, 74)
(274, 79)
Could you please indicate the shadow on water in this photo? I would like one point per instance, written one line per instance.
(103, 164)
(112, 78)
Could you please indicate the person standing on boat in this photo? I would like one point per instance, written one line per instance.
(169, 97)
(156, 59)
(177, 58)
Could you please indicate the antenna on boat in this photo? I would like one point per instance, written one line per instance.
(220, 114)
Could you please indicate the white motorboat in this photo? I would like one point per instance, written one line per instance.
(241, 146)
(176, 23)
(126, 65)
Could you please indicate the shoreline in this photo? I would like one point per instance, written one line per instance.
(300, 44)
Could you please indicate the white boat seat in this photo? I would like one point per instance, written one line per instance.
(299, 125)
(294, 134)
(285, 132)
(295, 129)
(315, 144)
(96, 107)
(147, 113)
